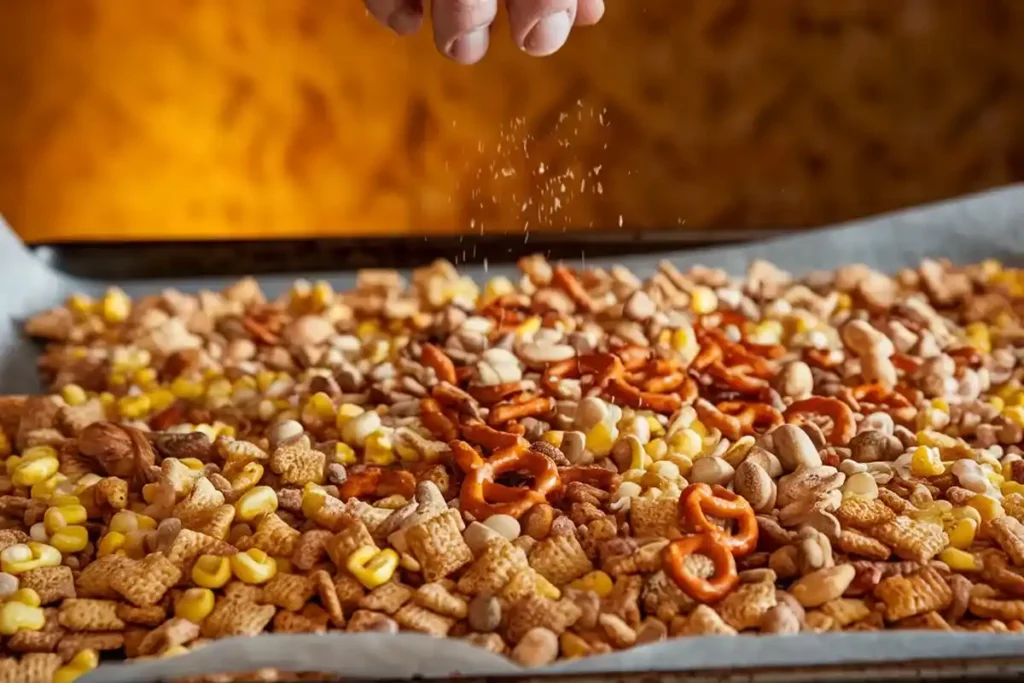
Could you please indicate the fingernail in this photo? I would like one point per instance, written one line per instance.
(548, 34)
(405, 21)
(470, 47)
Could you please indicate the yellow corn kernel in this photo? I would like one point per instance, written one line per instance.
(372, 567)
(767, 332)
(634, 476)
(926, 462)
(22, 557)
(987, 506)
(17, 616)
(656, 449)
(70, 539)
(144, 377)
(844, 301)
(958, 560)
(927, 437)
(87, 480)
(683, 340)
(195, 604)
(553, 437)
(284, 565)
(63, 499)
(962, 532)
(44, 490)
(313, 498)
(996, 479)
(573, 646)
(36, 465)
(688, 442)
(82, 663)
(186, 389)
(547, 589)
(134, 407)
(115, 306)
(160, 399)
(112, 542)
(664, 338)
(367, 329)
(253, 566)
(941, 405)
(344, 454)
(977, 334)
(219, 389)
(174, 651)
(81, 304)
(496, 287)
(347, 411)
(73, 394)
(211, 571)
(11, 464)
(703, 300)
(598, 581)
(601, 438)
(1008, 488)
(123, 521)
(379, 448)
(56, 517)
(319, 407)
(528, 327)
(255, 502)
(26, 596)
(997, 403)
(1015, 414)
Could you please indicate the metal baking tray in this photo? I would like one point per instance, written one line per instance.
(971, 229)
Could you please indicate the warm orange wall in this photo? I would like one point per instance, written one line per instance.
(189, 118)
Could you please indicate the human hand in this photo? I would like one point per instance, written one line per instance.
(462, 27)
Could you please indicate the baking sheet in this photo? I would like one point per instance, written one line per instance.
(966, 230)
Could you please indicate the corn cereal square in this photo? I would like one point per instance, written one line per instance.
(497, 564)
(744, 607)
(906, 596)
(144, 582)
(654, 518)
(297, 463)
(347, 541)
(387, 598)
(912, 539)
(78, 614)
(863, 513)
(438, 546)
(289, 591)
(53, 584)
(1009, 534)
(412, 617)
(94, 580)
(560, 559)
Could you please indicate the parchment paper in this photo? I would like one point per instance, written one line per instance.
(966, 230)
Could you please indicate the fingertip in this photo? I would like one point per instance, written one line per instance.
(548, 35)
(589, 12)
(405, 21)
(469, 48)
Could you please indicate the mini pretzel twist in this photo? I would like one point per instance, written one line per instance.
(737, 418)
(373, 481)
(433, 357)
(703, 590)
(482, 496)
(844, 426)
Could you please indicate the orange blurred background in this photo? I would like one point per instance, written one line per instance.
(134, 119)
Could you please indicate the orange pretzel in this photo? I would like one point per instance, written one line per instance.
(707, 590)
(633, 357)
(491, 438)
(844, 426)
(710, 354)
(623, 393)
(371, 480)
(736, 418)
(872, 398)
(603, 367)
(737, 377)
(450, 395)
(479, 487)
(441, 424)
(594, 475)
(699, 500)
(563, 277)
(433, 357)
(823, 359)
(496, 392)
(907, 364)
(526, 405)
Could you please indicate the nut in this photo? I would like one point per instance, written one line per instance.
(754, 484)
(794, 448)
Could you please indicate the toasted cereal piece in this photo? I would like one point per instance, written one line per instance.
(188, 545)
(298, 463)
(846, 611)
(329, 598)
(153, 615)
(533, 611)
(929, 621)
(654, 518)
(875, 621)
(196, 507)
(499, 561)
(9, 537)
(274, 536)
(906, 596)
(233, 616)
(895, 501)
(365, 620)
(31, 668)
(648, 558)
(300, 622)
(387, 598)
(438, 546)
(133, 637)
(624, 599)
(145, 582)
(53, 584)
(819, 622)
(863, 513)
(911, 539)
(73, 643)
(35, 641)
(704, 621)
(663, 598)
(216, 522)
(174, 631)
(1013, 504)
(996, 570)
(521, 585)
(744, 607)
(1005, 610)
(349, 590)
(856, 543)
(961, 587)
(560, 559)
(289, 591)
(78, 614)
(311, 548)
(1008, 532)
(94, 580)
(437, 598)
(342, 544)
(415, 618)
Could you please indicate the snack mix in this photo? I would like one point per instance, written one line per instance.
(564, 466)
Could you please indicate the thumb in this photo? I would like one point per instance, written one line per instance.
(402, 16)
